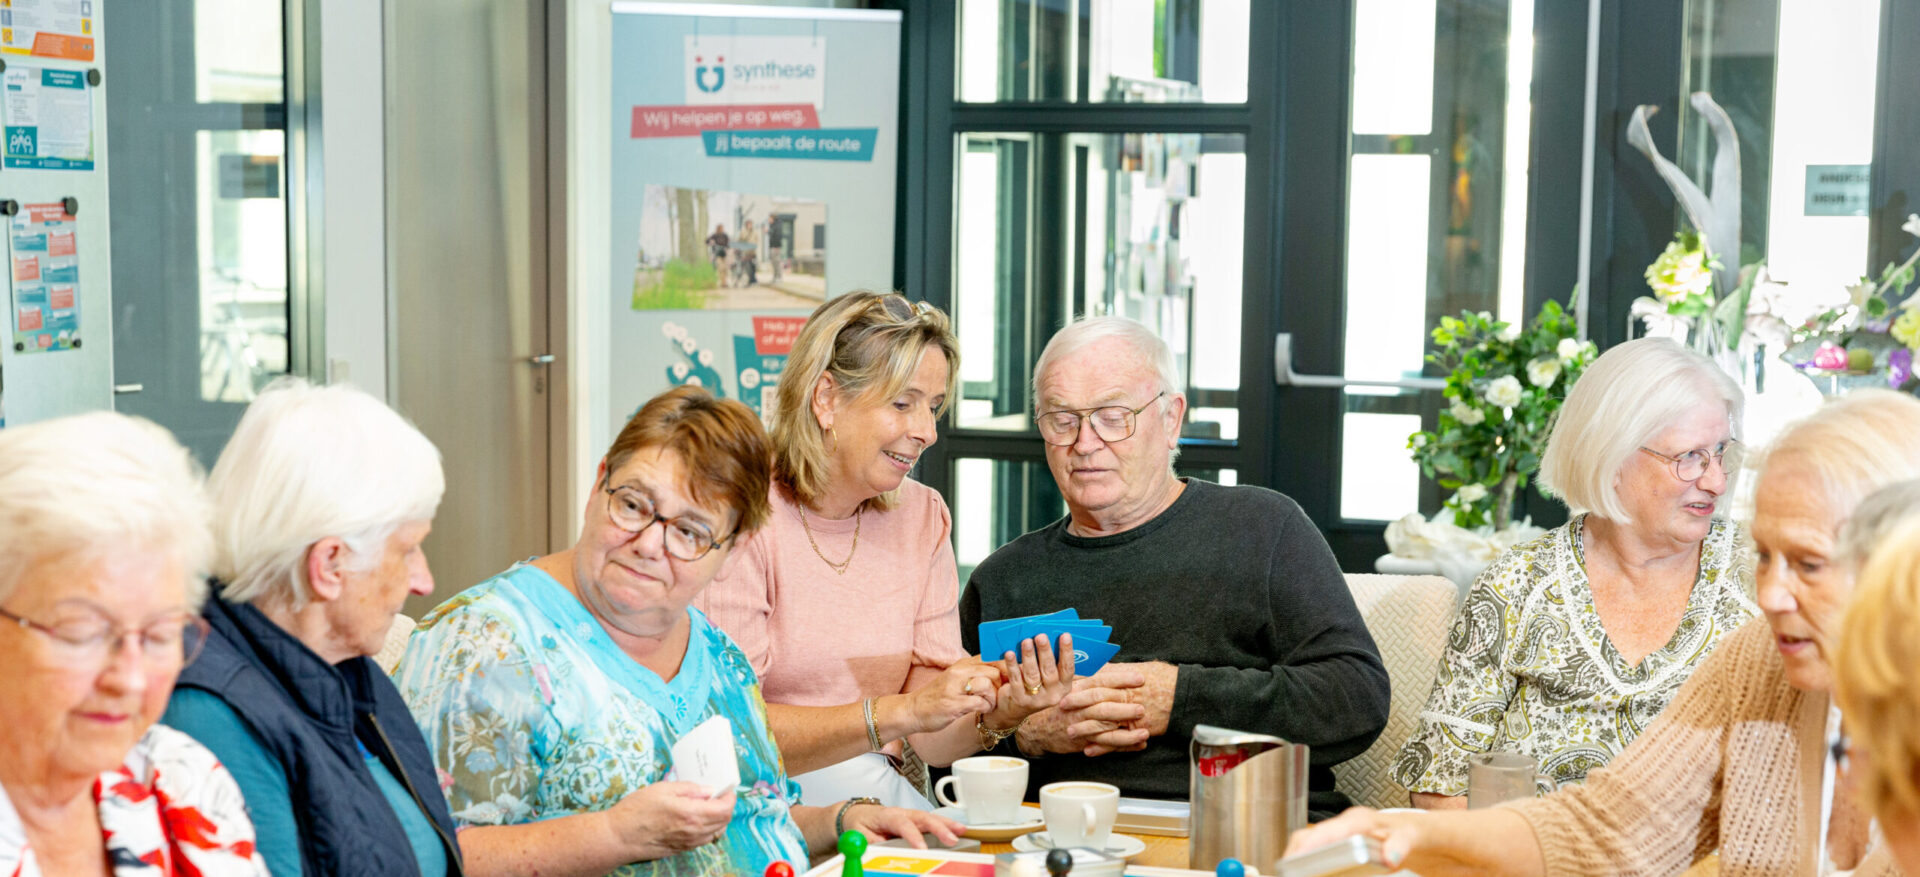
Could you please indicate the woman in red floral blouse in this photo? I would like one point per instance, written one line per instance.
(103, 538)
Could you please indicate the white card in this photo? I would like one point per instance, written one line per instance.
(704, 756)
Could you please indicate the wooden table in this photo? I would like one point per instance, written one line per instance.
(1162, 852)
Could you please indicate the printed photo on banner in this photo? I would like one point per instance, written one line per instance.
(702, 249)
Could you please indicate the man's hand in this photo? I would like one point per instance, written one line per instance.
(1099, 716)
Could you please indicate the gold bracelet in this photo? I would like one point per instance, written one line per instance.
(873, 729)
(991, 737)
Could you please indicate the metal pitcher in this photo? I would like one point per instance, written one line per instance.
(1249, 793)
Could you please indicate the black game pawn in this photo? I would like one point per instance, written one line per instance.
(1059, 862)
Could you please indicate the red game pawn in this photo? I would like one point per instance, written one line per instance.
(779, 869)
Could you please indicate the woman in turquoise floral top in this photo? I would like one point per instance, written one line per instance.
(552, 694)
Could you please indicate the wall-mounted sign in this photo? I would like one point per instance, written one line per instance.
(48, 28)
(46, 279)
(49, 119)
(1838, 189)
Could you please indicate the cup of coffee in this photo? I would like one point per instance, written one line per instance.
(1079, 814)
(990, 789)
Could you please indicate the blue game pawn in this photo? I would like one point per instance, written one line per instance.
(779, 869)
(1229, 868)
(853, 847)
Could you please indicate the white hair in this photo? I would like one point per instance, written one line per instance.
(308, 463)
(1631, 394)
(1875, 518)
(1086, 331)
(99, 484)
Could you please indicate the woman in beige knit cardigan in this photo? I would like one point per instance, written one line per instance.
(1740, 761)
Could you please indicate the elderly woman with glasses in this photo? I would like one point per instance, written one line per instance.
(1569, 645)
(103, 541)
(556, 695)
(321, 499)
(854, 544)
(1741, 760)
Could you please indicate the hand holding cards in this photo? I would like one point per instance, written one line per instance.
(1091, 651)
(704, 756)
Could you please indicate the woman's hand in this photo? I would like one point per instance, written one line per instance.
(961, 690)
(881, 823)
(1035, 681)
(667, 817)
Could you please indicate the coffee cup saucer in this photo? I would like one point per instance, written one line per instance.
(996, 832)
(1123, 846)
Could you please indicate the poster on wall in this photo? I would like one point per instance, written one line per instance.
(47, 28)
(752, 178)
(49, 119)
(46, 279)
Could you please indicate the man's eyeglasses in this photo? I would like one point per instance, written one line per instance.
(634, 512)
(1112, 423)
(1691, 465)
(89, 639)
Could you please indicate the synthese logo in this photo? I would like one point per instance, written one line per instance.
(20, 141)
(701, 69)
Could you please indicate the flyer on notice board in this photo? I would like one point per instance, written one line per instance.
(46, 279)
(49, 119)
(48, 28)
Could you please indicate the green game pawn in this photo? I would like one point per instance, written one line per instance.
(853, 846)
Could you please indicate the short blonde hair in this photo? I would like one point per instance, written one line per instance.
(1854, 445)
(1622, 401)
(870, 343)
(1877, 651)
(99, 484)
(309, 463)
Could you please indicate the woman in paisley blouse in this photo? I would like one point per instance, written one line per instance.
(103, 542)
(1569, 645)
(553, 693)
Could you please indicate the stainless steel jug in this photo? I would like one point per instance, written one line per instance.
(1249, 793)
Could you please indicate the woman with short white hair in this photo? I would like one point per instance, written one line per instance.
(321, 501)
(103, 538)
(1570, 644)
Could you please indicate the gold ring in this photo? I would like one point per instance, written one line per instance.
(1033, 689)
(969, 687)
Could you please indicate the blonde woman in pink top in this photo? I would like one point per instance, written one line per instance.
(846, 602)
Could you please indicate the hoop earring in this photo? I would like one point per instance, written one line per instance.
(830, 440)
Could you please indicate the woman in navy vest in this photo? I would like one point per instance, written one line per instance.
(321, 500)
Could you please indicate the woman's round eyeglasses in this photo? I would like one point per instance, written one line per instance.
(634, 511)
(1691, 465)
(90, 639)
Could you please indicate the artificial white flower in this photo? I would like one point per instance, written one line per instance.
(1659, 323)
(1510, 334)
(1472, 493)
(1504, 392)
(1857, 293)
(1568, 348)
(1419, 440)
(1467, 414)
(1912, 225)
(1487, 316)
(1542, 372)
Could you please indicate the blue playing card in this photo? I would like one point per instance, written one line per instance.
(1089, 630)
(1090, 656)
(999, 637)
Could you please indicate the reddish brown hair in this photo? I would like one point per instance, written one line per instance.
(720, 441)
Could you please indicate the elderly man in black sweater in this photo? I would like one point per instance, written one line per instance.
(1226, 602)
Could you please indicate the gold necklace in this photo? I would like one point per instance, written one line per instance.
(841, 567)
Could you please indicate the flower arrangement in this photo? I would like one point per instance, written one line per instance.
(1874, 331)
(1505, 382)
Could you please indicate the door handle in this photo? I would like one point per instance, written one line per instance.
(541, 359)
(1285, 376)
(124, 389)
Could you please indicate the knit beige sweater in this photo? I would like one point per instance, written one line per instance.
(1734, 763)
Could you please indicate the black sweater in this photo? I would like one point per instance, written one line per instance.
(1236, 587)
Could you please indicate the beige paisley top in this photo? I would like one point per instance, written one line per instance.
(1530, 669)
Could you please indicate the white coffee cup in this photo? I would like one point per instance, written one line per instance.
(1079, 814)
(990, 788)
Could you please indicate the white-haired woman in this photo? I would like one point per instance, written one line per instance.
(1742, 759)
(855, 545)
(321, 500)
(103, 539)
(1569, 645)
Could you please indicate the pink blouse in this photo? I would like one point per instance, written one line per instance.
(820, 638)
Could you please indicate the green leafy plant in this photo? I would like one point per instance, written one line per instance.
(1504, 383)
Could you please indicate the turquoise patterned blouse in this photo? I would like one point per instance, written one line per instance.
(533, 712)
